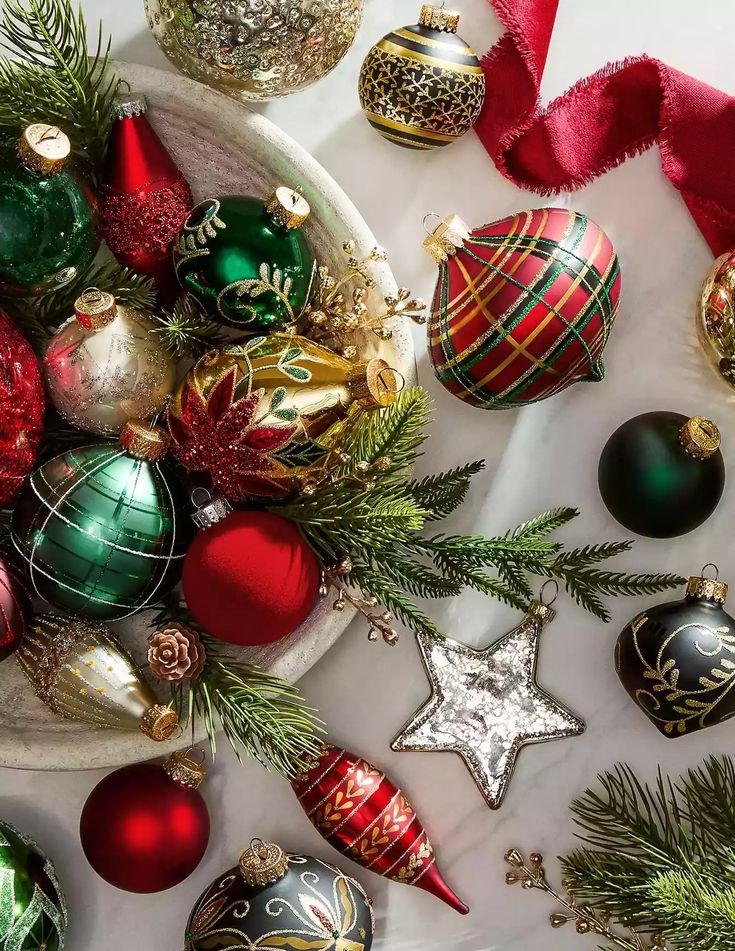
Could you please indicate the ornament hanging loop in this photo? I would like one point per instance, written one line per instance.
(544, 586)
(429, 217)
(710, 564)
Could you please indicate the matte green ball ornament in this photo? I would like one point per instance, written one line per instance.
(662, 474)
(247, 261)
(101, 528)
(48, 221)
(33, 913)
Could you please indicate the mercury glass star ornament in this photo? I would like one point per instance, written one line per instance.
(486, 704)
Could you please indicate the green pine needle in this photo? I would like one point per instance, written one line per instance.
(186, 331)
(50, 75)
(441, 494)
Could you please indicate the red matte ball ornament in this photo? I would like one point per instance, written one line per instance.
(250, 577)
(145, 828)
(22, 408)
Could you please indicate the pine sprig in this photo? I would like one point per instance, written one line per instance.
(441, 494)
(51, 76)
(187, 331)
(697, 910)
(260, 714)
(372, 582)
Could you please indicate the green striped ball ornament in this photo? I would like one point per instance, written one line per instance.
(101, 529)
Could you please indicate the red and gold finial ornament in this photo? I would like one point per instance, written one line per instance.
(523, 307)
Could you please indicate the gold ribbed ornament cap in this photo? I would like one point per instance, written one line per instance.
(185, 770)
(288, 207)
(159, 723)
(95, 309)
(44, 148)
(700, 437)
(702, 588)
(143, 441)
(264, 863)
(437, 18)
(544, 612)
(447, 238)
(373, 383)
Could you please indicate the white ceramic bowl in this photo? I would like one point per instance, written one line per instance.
(223, 148)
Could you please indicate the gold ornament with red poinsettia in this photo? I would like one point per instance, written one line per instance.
(259, 418)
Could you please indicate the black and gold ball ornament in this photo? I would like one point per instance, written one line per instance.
(274, 899)
(422, 86)
(676, 660)
(662, 474)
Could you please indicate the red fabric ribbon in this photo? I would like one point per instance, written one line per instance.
(617, 112)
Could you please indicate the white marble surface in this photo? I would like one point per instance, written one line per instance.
(541, 456)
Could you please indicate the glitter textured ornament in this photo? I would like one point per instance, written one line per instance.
(145, 828)
(675, 659)
(15, 608)
(144, 198)
(48, 222)
(662, 474)
(255, 50)
(247, 261)
(486, 704)
(422, 86)
(256, 417)
(105, 366)
(523, 307)
(274, 899)
(22, 407)
(100, 528)
(33, 915)
(365, 816)
(81, 672)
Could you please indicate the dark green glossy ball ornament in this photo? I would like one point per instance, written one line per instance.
(662, 474)
(273, 899)
(33, 913)
(101, 528)
(676, 660)
(48, 221)
(247, 261)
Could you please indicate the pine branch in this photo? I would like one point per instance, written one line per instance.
(51, 76)
(415, 577)
(187, 331)
(374, 583)
(443, 493)
(542, 525)
(693, 910)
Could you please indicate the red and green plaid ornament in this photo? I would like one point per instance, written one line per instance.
(523, 307)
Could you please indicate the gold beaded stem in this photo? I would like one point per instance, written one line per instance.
(379, 623)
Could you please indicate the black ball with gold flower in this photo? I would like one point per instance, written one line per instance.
(422, 86)
(677, 660)
(273, 898)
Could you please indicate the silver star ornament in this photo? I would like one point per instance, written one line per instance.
(486, 704)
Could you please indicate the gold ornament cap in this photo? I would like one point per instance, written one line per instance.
(700, 437)
(143, 441)
(288, 207)
(373, 384)
(159, 723)
(264, 863)
(95, 309)
(543, 612)
(447, 238)
(44, 148)
(437, 18)
(185, 770)
(702, 588)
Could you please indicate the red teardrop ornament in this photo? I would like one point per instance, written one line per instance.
(365, 816)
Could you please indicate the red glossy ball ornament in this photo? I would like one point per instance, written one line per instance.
(15, 607)
(22, 407)
(145, 828)
(250, 577)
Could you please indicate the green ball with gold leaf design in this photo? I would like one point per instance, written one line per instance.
(247, 261)
(33, 913)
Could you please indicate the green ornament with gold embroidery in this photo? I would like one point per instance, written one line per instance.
(33, 913)
(247, 261)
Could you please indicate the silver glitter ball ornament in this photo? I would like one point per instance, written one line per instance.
(105, 366)
(255, 49)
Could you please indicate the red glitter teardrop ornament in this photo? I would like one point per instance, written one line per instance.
(145, 828)
(145, 199)
(15, 607)
(366, 817)
(22, 407)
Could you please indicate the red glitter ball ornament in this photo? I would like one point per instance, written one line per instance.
(15, 607)
(145, 199)
(250, 578)
(22, 406)
(145, 828)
